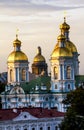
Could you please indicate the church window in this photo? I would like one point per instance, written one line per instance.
(69, 86)
(8, 99)
(55, 72)
(23, 74)
(68, 71)
(56, 128)
(19, 99)
(48, 128)
(25, 116)
(33, 128)
(46, 98)
(55, 86)
(11, 75)
(41, 128)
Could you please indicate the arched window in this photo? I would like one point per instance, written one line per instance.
(69, 87)
(68, 72)
(23, 74)
(56, 128)
(48, 128)
(41, 128)
(33, 128)
(55, 72)
(11, 75)
(55, 86)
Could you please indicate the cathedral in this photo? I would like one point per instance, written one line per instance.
(43, 91)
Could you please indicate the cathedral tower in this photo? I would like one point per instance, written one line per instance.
(17, 63)
(39, 66)
(62, 67)
(64, 27)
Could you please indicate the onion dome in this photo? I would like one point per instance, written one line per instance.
(61, 52)
(71, 46)
(61, 38)
(60, 49)
(16, 42)
(64, 26)
(17, 54)
(39, 57)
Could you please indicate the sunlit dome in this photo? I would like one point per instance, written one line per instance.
(64, 26)
(61, 52)
(17, 56)
(39, 57)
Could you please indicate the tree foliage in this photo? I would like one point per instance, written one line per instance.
(74, 117)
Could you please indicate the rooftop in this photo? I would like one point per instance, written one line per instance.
(9, 114)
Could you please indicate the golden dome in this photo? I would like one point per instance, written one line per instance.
(71, 46)
(16, 42)
(64, 26)
(61, 37)
(61, 52)
(17, 56)
(39, 57)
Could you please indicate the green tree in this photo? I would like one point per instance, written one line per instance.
(74, 117)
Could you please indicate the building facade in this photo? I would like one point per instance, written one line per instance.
(30, 119)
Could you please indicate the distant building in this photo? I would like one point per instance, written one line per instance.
(30, 119)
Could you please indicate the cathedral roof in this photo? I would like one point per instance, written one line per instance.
(64, 25)
(17, 54)
(39, 81)
(39, 57)
(61, 52)
(60, 49)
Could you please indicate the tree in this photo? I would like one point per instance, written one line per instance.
(74, 117)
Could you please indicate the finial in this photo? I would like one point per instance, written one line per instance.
(64, 16)
(17, 33)
(39, 50)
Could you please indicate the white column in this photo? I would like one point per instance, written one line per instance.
(14, 72)
(63, 71)
(8, 75)
(18, 74)
(59, 72)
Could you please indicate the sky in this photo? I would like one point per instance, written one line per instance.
(38, 23)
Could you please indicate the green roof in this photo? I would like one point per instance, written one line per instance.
(40, 81)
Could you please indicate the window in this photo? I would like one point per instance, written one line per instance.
(55, 72)
(55, 86)
(48, 128)
(11, 75)
(69, 86)
(56, 128)
(41, 128)
(23, 74)
(46, 98)
(68, 75)
(33, 128)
